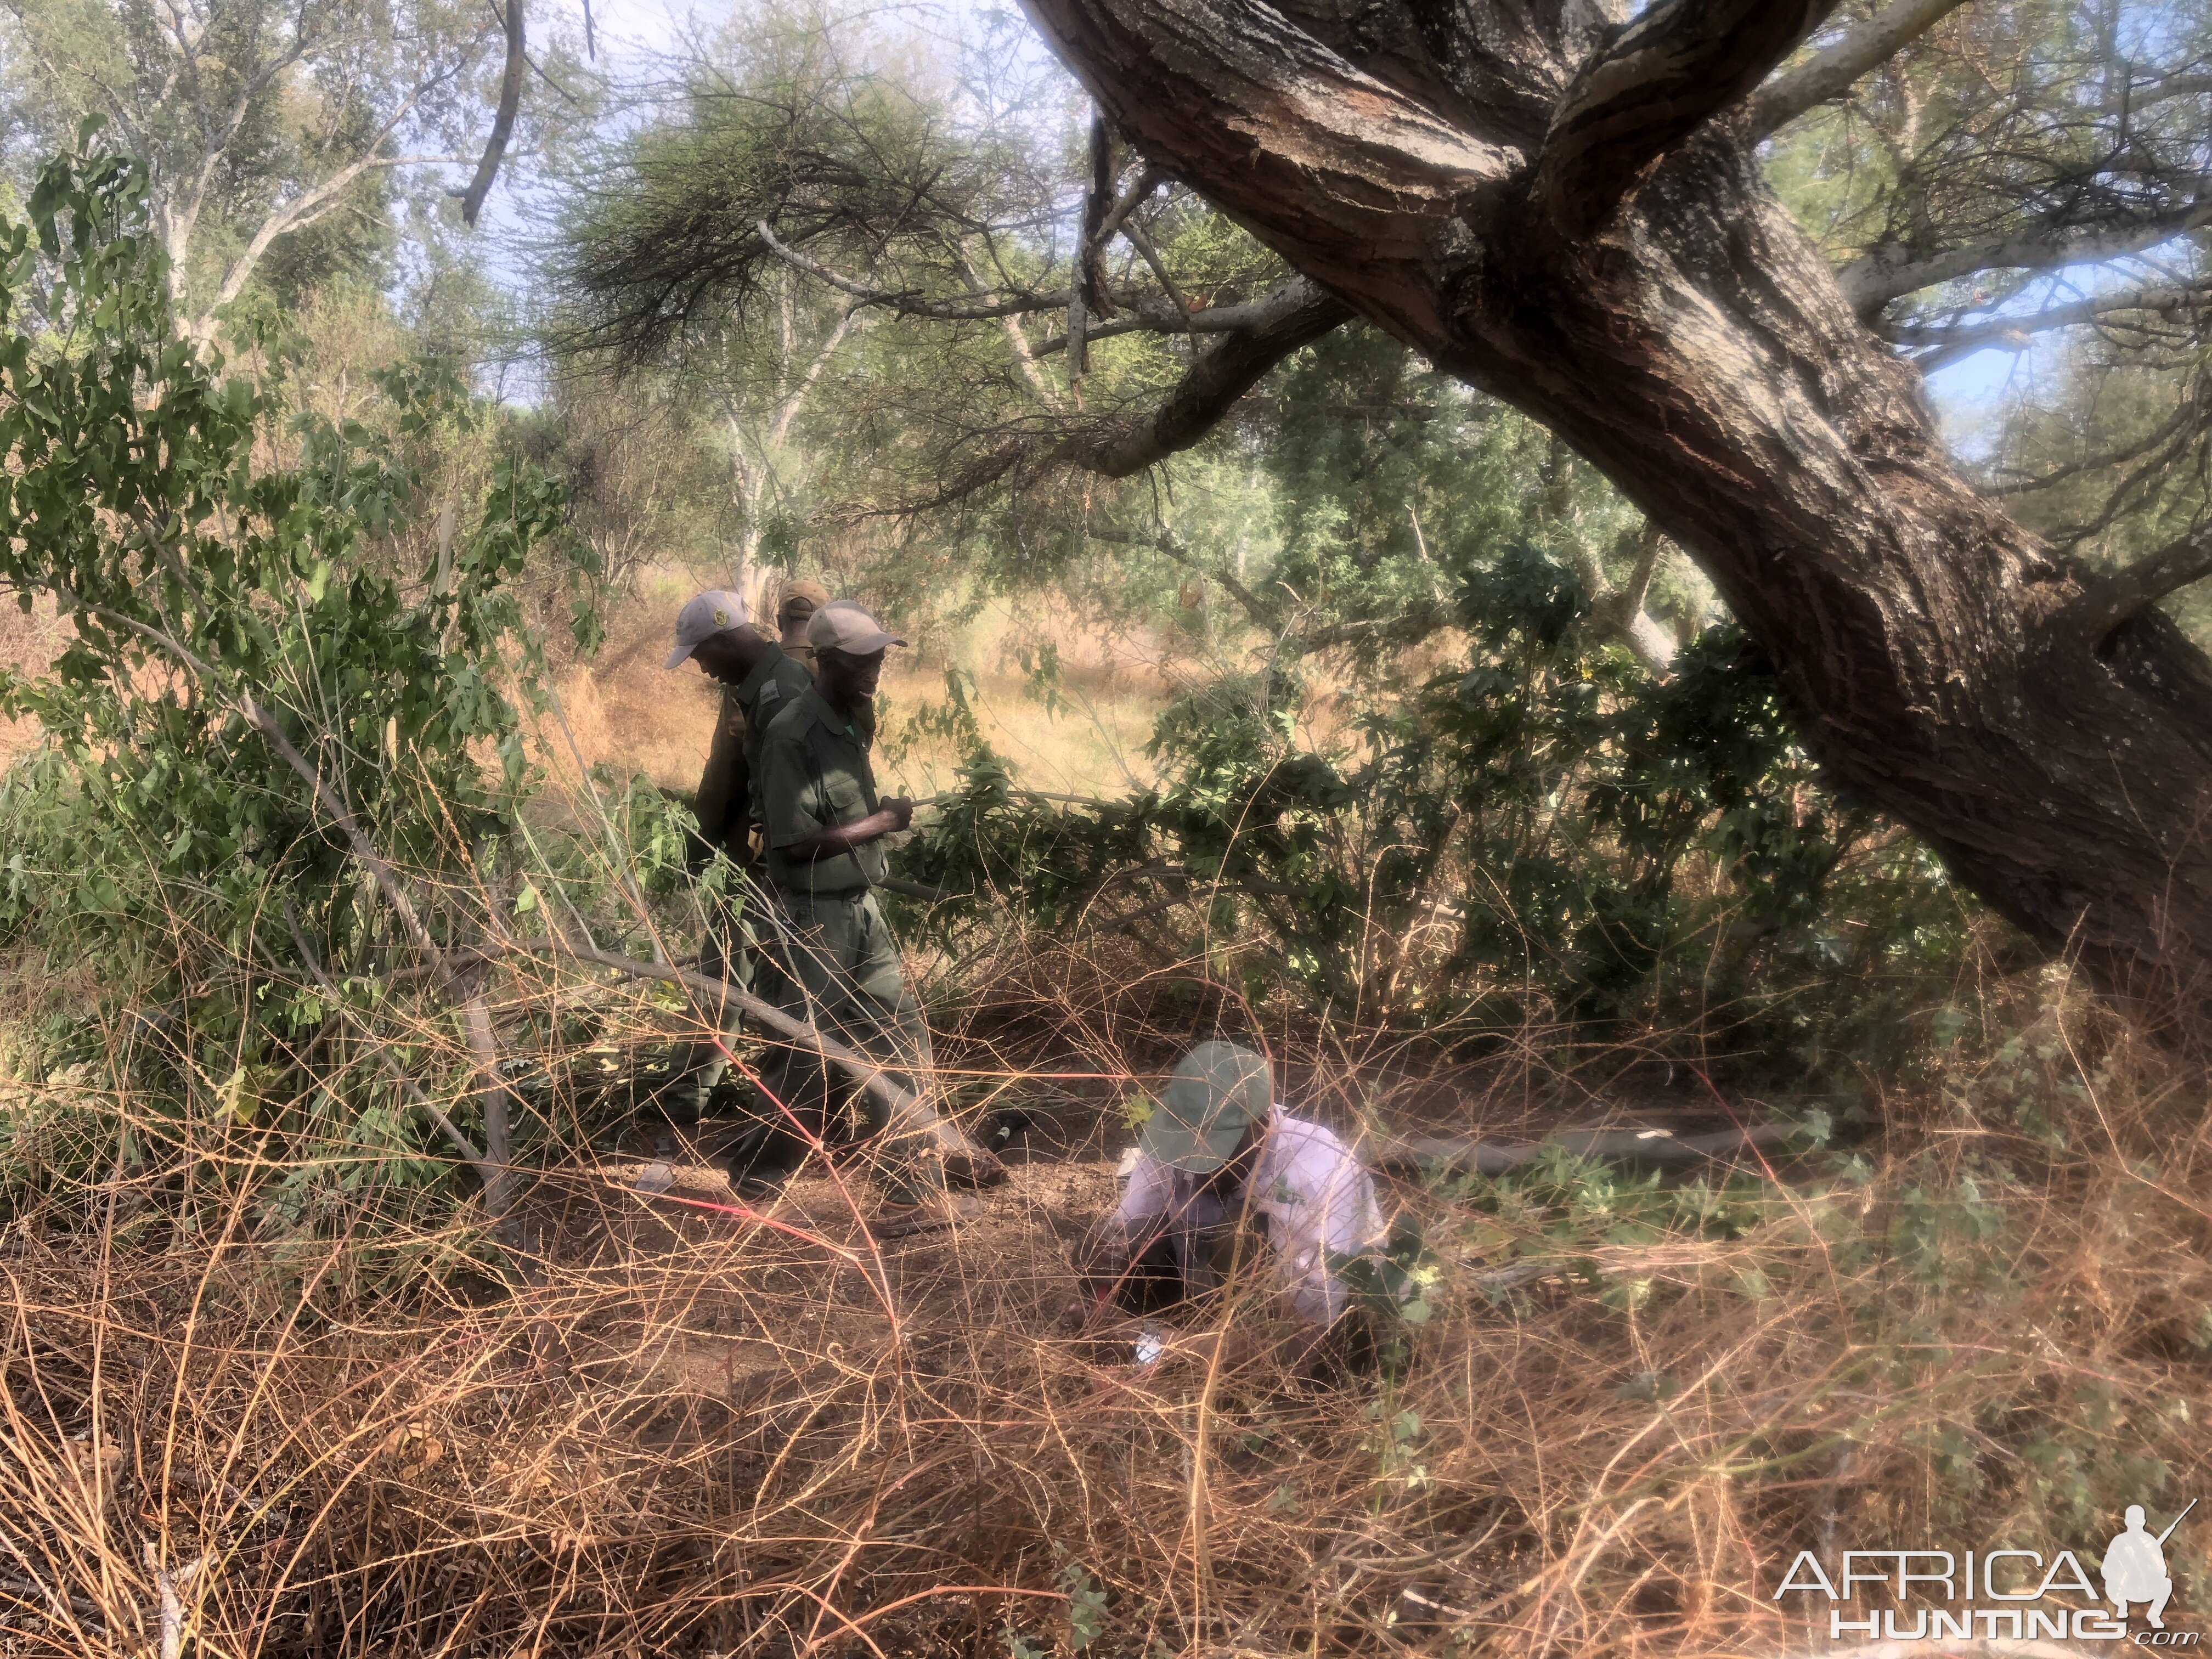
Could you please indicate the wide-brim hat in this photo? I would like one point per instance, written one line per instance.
(1220, 1090)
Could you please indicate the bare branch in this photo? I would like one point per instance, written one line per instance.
(301, 211)
(1649, 544)
(430, 1107)
(502, 125)
(789, 410)
(1116, 445)
(1886, 273)
(911, 304)
(1657, 81)
(1947, 344)
(1830, 72)
(259, 717)
(1136, 195)
(2098, 461)
(1261, 614)
(2104, 605)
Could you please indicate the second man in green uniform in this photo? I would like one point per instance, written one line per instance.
(826, 830)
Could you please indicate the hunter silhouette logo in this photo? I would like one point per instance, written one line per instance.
(2135, 1567)
(1937, 1595)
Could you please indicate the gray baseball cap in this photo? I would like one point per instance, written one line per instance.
(716, 611)
(847, 625)
(1218, 1091)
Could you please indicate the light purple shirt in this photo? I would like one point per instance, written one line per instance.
(1317, 1198)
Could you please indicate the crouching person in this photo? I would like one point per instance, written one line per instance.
(1228, 1185)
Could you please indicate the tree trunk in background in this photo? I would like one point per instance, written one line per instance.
(1697, 348)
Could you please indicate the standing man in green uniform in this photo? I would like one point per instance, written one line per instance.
(758, 680)
(758, 676)
(826, 831)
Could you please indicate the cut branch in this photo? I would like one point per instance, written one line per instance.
(1830, 72)
(2105, 604)
(1660, 80)
(502, 125)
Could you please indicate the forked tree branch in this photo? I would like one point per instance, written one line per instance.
(1657, 81)
(1830, 72)
(2105, 603)
(1117, 445)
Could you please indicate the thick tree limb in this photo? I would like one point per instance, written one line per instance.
(1702, 355)
(1116, 445)
(1617, 613)
(1888, 273)
(502, 125)
(2104, 605)
(1660, 79)
(1090, 297)
(1294, 315)
(1830, 72)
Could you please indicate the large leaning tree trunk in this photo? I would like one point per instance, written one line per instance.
(1569, 215)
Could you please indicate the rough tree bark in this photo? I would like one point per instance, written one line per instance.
(1568, 216)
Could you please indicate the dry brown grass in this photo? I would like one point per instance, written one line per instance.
(695, 1426)
(29, 641)
(262, 1390)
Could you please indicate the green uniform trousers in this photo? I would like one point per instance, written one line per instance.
(840, 969)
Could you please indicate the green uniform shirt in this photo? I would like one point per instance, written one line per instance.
(729, 794)
(815, 776)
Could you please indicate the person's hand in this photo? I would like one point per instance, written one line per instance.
(900, 810)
